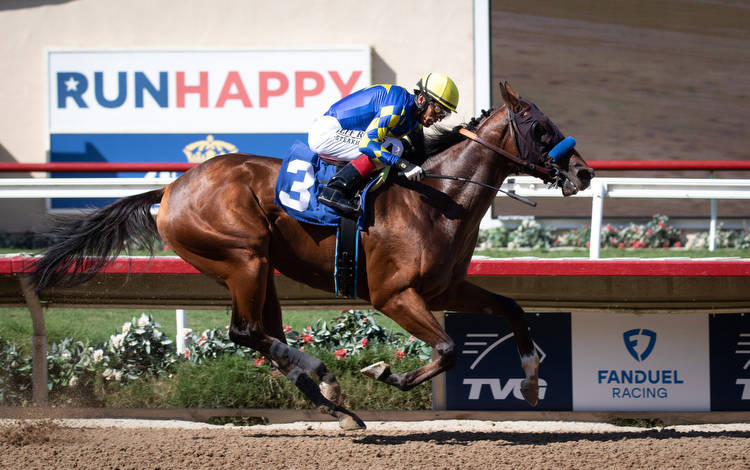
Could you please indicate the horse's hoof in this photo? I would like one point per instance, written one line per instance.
(530, 391)
(332, 392)
(378, 371)
(350, 422)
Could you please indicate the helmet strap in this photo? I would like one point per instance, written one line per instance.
(425, 102)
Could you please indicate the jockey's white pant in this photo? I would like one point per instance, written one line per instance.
(331, 142)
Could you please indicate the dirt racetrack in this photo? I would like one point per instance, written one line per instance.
(104, 444)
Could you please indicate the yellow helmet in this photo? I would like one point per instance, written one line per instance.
(440, 88)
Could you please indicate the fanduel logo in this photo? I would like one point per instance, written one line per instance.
(631, 342)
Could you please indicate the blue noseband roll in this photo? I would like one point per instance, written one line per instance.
(562, 148)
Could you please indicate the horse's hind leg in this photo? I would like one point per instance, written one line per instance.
(248, 285)
(272, 324)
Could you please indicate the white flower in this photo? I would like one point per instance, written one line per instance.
(117, 340)
(98, 355)
(65, 355)
(156, 334)
(126, 327)
(118, 375)
(73, 381)
(107, 373)
(143, 320)
(187, 332)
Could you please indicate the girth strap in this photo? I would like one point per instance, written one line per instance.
(347, 251)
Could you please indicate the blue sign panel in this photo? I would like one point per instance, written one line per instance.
(132, 148)
(730, 362)
(488, 373)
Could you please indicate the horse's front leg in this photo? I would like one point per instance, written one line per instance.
(466, 297)
(409, 310)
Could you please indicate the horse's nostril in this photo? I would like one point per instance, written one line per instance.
(585, 175)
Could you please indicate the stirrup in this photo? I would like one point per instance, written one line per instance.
(335, 199)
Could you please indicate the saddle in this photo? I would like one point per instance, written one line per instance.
(301, 176)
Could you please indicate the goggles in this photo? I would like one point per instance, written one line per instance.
(439, 111)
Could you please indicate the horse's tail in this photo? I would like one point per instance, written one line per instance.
(85, 245)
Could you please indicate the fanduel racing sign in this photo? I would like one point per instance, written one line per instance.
(177, 106)
(640, 362)
(488, 373)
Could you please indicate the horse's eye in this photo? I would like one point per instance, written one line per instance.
(538, 131)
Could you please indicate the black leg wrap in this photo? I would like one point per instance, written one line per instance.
(298, 358)
(307, 386)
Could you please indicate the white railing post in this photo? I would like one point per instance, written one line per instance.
(180, 334)
(712, 227)
(712, 224)
(597, 209)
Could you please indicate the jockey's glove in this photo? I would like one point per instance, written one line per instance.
(409, 170)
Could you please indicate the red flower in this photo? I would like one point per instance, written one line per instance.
(399, 355)
(363, 343)
(364, 320)
(287, 328)
(260, 361)
(187, 354)
(620, 245)
(677, 244)
(306, 338)
(661, 223)
(665, 245)
(340, 354)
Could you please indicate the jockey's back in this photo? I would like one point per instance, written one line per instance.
(358, 110)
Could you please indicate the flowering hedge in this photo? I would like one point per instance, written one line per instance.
(140, 350)
(657, 233)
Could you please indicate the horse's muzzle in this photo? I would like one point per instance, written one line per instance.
(578, 177)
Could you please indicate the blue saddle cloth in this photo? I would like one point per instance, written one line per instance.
(300, 178)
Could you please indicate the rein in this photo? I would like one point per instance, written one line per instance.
(529, 166)
(510, 194)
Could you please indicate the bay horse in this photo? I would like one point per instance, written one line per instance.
(221, 218)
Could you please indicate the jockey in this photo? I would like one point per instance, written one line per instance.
(366, 130)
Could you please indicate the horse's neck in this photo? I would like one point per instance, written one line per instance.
(476, 162)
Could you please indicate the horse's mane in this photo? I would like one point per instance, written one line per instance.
(442, 138)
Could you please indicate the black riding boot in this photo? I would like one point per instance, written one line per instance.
(339, 192)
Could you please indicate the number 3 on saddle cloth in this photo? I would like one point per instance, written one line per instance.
(301, 176)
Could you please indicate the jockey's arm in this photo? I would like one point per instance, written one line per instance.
(373, 140)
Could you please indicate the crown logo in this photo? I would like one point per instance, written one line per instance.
(202, 150)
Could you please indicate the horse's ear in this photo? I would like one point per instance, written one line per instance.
(510, 97)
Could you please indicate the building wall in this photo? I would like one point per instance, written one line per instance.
(407, 39)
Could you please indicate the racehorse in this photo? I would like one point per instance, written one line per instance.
(221, 218)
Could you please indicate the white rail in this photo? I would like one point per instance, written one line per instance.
(645, 188)
(601, 188)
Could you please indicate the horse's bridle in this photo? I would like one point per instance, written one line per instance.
(549, 172)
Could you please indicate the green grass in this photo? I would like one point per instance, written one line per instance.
(236, 382)
(96, 325)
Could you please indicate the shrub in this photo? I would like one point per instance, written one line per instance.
(15, 371)
(531, 234)
(134, 367)
(139, 350)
